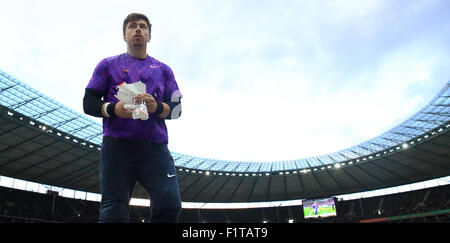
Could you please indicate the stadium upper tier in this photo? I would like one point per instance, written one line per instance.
(21, 98)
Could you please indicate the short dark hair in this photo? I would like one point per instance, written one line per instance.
(136, 17)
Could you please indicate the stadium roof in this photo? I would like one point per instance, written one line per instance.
(46, 142)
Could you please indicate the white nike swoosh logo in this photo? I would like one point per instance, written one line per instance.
(169, 175)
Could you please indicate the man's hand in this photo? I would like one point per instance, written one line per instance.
(122, 112)
(150, 102)
(152, 105)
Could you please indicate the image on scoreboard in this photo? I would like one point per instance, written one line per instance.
(319, 208)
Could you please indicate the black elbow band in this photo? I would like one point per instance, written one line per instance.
(175, 110)
(92, 102)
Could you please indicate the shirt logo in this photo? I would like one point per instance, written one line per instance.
(170, 176)
(154, 66)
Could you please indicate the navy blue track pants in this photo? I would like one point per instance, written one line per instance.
(122, 163)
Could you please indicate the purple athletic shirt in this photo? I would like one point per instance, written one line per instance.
(160, 82)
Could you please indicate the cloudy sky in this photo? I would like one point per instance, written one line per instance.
(262, 80)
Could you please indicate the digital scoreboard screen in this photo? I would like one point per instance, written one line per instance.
(319, 208)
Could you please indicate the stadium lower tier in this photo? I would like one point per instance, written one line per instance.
(427, 205)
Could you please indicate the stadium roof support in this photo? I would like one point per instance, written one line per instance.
(46, 142)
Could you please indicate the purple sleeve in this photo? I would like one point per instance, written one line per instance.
(99, 79)
(171, 91)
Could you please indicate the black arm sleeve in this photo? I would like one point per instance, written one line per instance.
(175, 109)
(92, 102)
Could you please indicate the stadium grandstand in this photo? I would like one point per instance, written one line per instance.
(49, 157)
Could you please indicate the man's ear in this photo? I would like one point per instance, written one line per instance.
(149, 37)
(124, 38)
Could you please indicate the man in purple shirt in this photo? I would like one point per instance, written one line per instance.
(134, 149)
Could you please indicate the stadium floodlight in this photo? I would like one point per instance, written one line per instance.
(405, 145)
(10, 113)
(207, 173)
(265, 221)
(291, 221)
(337, 166)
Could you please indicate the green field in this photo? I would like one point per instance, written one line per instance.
(323, 211)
